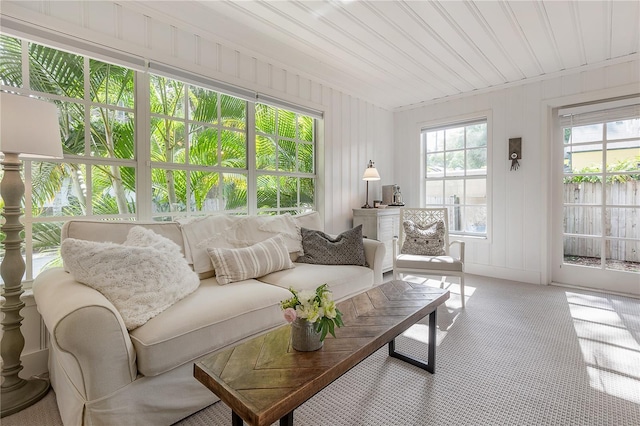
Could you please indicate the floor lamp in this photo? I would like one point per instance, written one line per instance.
(370, 173)
(28, 126)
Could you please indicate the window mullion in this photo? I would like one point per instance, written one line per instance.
(252, 175)
(142, 116)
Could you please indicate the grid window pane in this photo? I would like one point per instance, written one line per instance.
(113, 190)
(203, 145)
(112, 133)
(600, 193)
(11, 58)
(456, 166)
(56, 72)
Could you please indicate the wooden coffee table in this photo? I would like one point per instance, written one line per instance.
(264, 379)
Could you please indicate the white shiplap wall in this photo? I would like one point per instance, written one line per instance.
(518, 245)
(354, 130)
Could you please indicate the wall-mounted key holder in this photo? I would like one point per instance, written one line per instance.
(515, 152)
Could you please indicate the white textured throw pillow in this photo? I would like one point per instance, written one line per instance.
(239, 264)
(140, 281)
(142, 237)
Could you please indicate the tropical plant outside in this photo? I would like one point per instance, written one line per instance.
(197, 148)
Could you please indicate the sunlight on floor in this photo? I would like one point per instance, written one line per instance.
(608, 347)
(447, 314)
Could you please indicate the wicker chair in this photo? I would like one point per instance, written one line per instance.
(443, 265)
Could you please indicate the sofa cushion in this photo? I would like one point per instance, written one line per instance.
(227, 231)
(140, 281)
(202, 232)
(309, 220)
(345, 249)
(212, 317)
(344, 281)
(253, 229)
(240, 264)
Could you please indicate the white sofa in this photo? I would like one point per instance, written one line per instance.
(105, 375)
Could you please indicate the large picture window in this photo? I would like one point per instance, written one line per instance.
(455, 164)
(182, 150)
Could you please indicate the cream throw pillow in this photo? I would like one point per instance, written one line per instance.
(260, 259)
(140, 281)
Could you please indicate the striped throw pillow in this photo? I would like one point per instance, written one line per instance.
(237, 264)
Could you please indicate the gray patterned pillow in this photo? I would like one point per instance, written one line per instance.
(427, 241)
(345, 249)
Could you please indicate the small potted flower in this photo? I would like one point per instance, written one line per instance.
(312, 315)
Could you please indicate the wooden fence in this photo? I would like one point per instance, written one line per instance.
(619, 222)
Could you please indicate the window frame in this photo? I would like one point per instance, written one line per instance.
(141, 161)
(458, 121)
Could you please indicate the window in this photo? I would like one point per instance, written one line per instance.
(600, 187)
(194, 159)
(198, 149)
(284, 160)
(455, 164)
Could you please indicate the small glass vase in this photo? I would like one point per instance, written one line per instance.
(304, 337)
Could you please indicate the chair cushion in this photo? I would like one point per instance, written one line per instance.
(426, 240)
(419, 262)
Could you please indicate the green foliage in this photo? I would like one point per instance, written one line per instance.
(592, 173)
(214, 140)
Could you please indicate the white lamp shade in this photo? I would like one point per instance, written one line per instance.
(29, 126)
(371, 173)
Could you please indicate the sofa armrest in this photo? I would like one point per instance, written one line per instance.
(95, 352)
(374, 252)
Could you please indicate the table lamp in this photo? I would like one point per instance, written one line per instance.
(370, 173)
(30, 127)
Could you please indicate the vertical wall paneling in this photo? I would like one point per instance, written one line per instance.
(263, 73)
(514, 178)
(278, 79)
(197, 50)
(348, 132)
(117, 20)
(208, 54)
(352, 137)
(304, 88)
(227, 61)
(533, 148)
(292, 82)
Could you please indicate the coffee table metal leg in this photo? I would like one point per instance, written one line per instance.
(430, 365)
(287, 420)
(236, 420)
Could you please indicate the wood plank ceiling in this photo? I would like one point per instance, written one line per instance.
(400, 53)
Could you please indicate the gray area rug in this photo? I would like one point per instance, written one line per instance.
(518, 354)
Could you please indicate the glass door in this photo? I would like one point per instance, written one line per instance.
(599, 189)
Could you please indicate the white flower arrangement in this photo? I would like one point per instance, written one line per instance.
(316, 307)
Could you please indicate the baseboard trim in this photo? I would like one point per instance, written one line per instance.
(35, 363)
(595, 290)
(529, 277)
